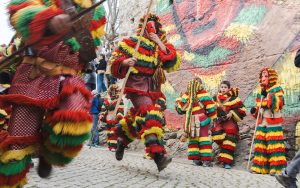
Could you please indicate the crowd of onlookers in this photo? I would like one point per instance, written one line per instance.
(98, 79)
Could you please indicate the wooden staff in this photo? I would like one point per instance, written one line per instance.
(135, 53)
(256, 124)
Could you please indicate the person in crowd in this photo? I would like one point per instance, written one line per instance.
(100, 70)
(97, 102)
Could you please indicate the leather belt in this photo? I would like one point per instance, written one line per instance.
(44, 67)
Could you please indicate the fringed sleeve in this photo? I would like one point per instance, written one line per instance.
(171, 60)
(209, 105)
(30, 19)
(181, 104)
(236, 107)
(116, 60)
(275, 99)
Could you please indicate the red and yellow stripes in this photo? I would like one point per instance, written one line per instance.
(227, 149)
(14, 166)
(269, 150)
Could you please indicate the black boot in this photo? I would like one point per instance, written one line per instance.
(44, 168)
(161, 161)
(120, 149)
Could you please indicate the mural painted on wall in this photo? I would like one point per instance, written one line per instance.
(288, 78)
(211, 34)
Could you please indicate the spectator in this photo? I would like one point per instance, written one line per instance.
(89, 76)
(101, 68)
(95, 110)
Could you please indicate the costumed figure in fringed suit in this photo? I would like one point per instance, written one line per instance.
(230, 111)
(145, 120)
(50, 114)
(200, 110)
(107, 115)
(269, 149)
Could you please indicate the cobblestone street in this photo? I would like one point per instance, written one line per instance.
(97, 167)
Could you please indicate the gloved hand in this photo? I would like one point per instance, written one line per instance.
(253, 110)
(264, 93)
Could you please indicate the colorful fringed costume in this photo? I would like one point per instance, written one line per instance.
(50, 101)
(200, 110)
(107, 115)
(225, 131)
(143, 87)
(269, 149)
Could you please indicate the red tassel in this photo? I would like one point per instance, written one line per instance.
(194, 157)
(22, 140)
(66, 115)
(205, 158)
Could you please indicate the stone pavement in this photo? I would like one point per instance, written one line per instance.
(97, 167)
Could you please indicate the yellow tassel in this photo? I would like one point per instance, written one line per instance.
(63, 151)
(153, 130)
(18, 155)
(126, 130)
(225, 155)
(71, 128)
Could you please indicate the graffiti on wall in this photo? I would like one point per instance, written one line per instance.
(288, 78)
(211, 34)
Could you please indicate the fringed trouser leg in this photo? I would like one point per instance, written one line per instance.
(275, 148)
(260, 161)
(228, 145)
(111, 137)
(18, 144)
(145, 122)
(269, 150)
(66, 129)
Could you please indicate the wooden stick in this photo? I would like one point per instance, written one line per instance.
(256, 124)
(135, 53)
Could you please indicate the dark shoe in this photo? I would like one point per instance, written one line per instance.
(44, 168)
(207, 164)
(162, 161)
(197, 162)
(286, 181)
(120, 150)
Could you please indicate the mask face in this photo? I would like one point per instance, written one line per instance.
(150, 27)
(224, 88)
(265, 78)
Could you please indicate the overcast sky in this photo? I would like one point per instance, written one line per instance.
(6, 32)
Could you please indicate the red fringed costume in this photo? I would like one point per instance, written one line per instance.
(107, 116)
(225, 131)
(269, 148)
(200, 110)
(146, 119)
(50, 101)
